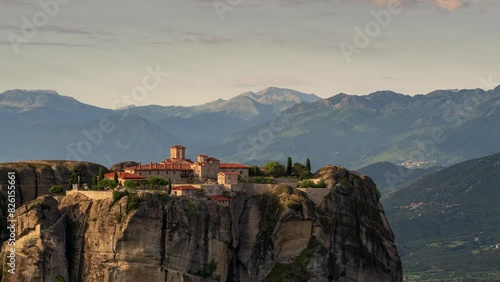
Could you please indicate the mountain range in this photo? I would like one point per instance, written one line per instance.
(390, 177)
(446, 224)
(437, 129)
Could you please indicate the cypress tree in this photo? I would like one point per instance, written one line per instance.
(169, 186)
(115, 177)
(308, 165)
(101, 174)
(289, 167)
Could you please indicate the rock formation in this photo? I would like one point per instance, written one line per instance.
(279, 235)
(34, 178)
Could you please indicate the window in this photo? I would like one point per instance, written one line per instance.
(241, 171)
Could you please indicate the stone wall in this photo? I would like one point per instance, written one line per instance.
(316, 195)
(288, 180)
(94, 195)
(175, 175)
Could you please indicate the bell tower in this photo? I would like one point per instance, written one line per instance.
(177, 152)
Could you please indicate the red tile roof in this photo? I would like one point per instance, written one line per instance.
(229, 166)
(178, 146)
(228, 173)
(219, 198)
(124, 175)
(185, 187)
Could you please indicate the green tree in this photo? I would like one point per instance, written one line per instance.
(56, 189)
(131, 184)
(200, 193)
(115, 176)
(143, 182)
(289, 167)
(156, 182)
(274, 169)
(254, 171)
(169, 189)
(74, 178)
(106, 184)
(101, 174)
(94, 181)
(308, 165)
(300, 171)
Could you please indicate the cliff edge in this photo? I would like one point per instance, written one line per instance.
(279, 235)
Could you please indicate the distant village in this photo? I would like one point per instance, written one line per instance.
(205, 177)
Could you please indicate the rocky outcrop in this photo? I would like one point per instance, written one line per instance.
(34, 178)
(121, 165)
(279, 235)
(40, 245)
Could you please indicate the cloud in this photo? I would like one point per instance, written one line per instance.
(4, 42)
(449, 5)
(203, 38)
(268, 81)
(446, 5)
(65, 30)
(17, 2)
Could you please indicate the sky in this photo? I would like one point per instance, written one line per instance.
(173, 52)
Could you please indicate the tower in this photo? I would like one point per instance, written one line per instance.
(177, 152)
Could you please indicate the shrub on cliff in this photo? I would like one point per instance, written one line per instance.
(133, 202)
(191, 209)
(310, 184)
(56, 189)
(117, 195)
(208, 271)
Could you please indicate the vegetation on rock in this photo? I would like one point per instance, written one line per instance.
(56, 189)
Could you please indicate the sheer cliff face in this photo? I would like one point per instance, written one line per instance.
(280, 235)
(34, 178)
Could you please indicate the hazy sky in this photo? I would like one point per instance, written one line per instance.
(98, 50)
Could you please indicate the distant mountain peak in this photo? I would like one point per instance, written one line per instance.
(46, 105)
(273, 90)
(385, 94)
(30, 91)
